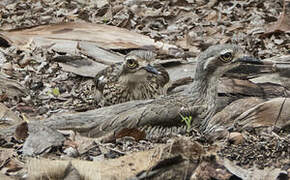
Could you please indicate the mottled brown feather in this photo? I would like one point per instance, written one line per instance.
(117, 85)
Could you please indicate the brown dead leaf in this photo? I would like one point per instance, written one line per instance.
(270, 113)
(11, 165)
(212, 16)
(209, 5)
(25, 108)
(3, 97)
(5, 154)
(133, 132)
(236, 138)
(81, 143)
(253, 173)
(7, 117)
(121, 168)
(283, 23)
(211, 170)
(70, 143)
(11, 88)
(21, 131)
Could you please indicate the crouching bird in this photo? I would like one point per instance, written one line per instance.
(211, 65)
(162, 116)
(133, 79)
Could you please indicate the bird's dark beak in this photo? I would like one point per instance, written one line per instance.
(249, 59)
(151, 69)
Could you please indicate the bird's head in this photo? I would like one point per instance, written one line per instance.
(138, 64)
(219, 59)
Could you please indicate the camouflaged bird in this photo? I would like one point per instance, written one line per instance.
(133, 79)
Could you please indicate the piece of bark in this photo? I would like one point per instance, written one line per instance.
(65, 37)
(209, 5)
(233, 89)
(179, 82)
(41, 140)
(107, 37)
(237, 86)
(172, 168)
(181, 71)
(280, 71)
(79, 65)
(98, 54)
(279, 61)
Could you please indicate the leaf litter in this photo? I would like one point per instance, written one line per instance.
(38, 86)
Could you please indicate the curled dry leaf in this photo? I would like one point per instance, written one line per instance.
(8, 117)
(133, 132)
(21, 131)
(236, 138)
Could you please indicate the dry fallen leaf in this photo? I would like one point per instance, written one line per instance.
(137, 134)
(7, 117)
(283, 23)
(21, 131)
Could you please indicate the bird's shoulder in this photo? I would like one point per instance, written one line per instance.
(162, 78)
(108, 75)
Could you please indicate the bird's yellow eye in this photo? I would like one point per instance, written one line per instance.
(226, 57)
(131, 63)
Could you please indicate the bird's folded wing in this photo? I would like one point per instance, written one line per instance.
(162, 112)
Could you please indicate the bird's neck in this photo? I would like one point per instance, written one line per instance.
(132, 80)
(205, 90)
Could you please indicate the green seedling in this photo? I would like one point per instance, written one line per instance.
(187, 120)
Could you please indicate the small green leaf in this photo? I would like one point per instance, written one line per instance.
(55, 92)
(187, 121)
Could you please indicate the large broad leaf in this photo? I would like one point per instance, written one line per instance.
(64, 34)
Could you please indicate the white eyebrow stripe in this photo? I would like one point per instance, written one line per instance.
(207, 62)
(101, 78)
(226, 51)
